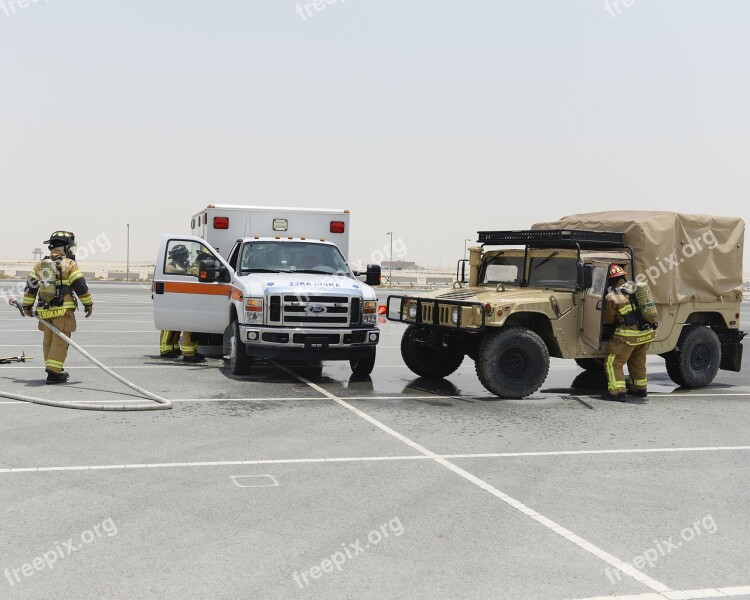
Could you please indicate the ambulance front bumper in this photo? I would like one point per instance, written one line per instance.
(324, 344)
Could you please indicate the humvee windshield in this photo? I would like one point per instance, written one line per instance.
(552, 272)
(504, 269)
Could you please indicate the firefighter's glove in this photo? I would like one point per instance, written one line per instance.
(28, 311)
(88, 310)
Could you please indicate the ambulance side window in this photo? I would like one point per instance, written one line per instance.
(234, 255)
(183, 257)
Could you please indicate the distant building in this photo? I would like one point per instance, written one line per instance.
(399, 265)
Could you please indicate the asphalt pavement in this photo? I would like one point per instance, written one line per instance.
(310, 483)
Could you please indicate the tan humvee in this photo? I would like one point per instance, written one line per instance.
(520, 306)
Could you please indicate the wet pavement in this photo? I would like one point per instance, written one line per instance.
(253, 487)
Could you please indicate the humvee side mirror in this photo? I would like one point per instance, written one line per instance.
(585, 276)
(461, 267)
(211, 270)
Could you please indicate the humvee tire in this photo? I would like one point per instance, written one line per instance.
(695, 361)
(425, 360)
(590, 364)
(512, 363)
(240, 362)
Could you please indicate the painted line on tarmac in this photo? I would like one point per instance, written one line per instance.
(682, 594)
(225, 463)
(529, 512)
(79, 331)
(342, 459)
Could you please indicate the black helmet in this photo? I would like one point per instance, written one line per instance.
(61, 238)
(204, 255)
(179, 250)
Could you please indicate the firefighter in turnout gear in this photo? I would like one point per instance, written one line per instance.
(629, 342)
(169, 343)
(54, 283)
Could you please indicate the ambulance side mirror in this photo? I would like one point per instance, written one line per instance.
(585, 276)
(211, 270)
(373, 275)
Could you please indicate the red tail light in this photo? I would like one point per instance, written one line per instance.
(337, 226)
(221, 222)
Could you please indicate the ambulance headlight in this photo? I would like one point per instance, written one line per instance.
(253, 310)
(454, 315)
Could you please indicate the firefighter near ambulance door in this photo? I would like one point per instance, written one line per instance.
(56, 284)
(630, 341)
(185, 301)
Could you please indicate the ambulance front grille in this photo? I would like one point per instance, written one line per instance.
(316, 311)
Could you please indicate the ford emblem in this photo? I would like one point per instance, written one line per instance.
(315, 309)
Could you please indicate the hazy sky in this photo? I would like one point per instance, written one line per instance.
(431, 119)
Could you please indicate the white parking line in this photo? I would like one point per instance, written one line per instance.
(351, 398)
(354, 459)
(79, 331)
(683, 594)
(522, 508)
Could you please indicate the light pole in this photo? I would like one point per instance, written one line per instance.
(390, 260)
(127, 257)
(466, 240)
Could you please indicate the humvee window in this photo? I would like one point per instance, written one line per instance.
(504, 269)
(553, 272)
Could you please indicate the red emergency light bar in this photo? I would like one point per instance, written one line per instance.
(221, 222)
(337, 226)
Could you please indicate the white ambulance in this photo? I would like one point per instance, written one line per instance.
(272, 283)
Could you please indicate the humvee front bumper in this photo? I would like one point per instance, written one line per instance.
(436, 312)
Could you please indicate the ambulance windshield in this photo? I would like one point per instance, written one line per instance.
(292, 257)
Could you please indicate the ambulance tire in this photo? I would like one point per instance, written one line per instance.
(695, 361)
(512, 363)
(362, 367)
(239, 361)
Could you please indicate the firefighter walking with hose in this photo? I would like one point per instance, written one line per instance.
(54, 283)
(628, 307)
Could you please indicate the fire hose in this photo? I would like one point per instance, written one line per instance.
(158, 403)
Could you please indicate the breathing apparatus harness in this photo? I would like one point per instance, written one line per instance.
(52, 290)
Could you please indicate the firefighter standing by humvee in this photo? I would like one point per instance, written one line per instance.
(631, 339)
(54, 283)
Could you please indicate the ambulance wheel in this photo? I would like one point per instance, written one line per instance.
(512, 363)
(239, 361)
(591, 364)
(695, 361)
(427, 361)
(363, 366)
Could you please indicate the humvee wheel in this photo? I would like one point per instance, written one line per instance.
(590, 364)
(427, 361)
(512, 363)
(696, 362)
